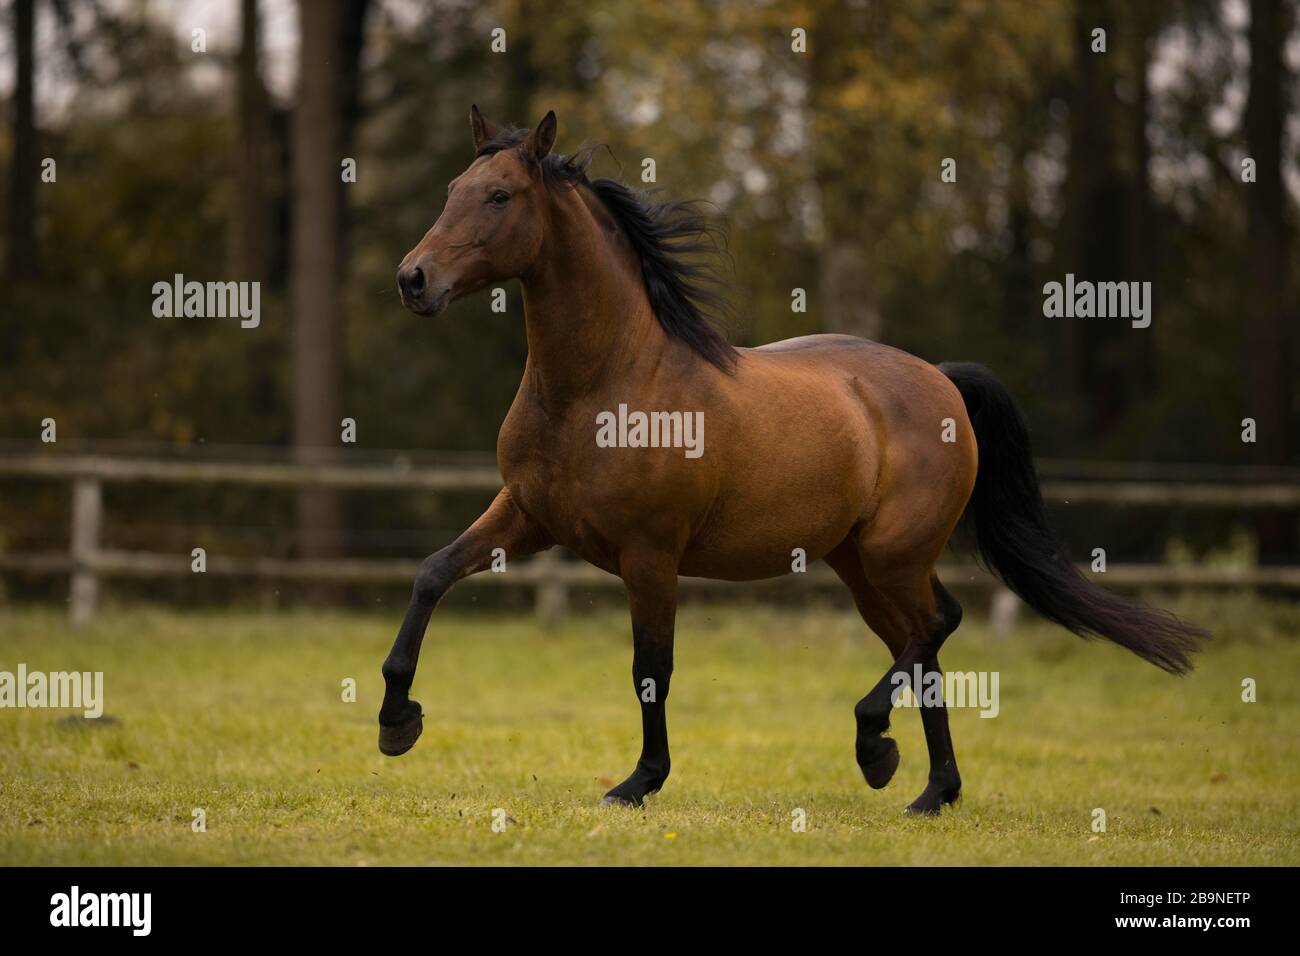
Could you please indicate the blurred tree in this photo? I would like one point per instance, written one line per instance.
(1143, 249)
(255, 168)
(1270, 312)
(329, 53)
(1096, 196)
(849, 290)
(22, 262)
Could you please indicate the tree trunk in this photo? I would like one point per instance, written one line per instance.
(256, 172)
(317, 261)
(1096, 196)
(351, 39)
(1269, 348)
(24, 176)
(1143, 240)
(1022, 315)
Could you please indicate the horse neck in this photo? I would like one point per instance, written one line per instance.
(585, 306)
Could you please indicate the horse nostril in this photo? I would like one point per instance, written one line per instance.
(411, 281)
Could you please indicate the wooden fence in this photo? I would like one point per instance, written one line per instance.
(549, 576)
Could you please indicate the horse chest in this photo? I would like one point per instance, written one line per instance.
(584, 497)
(539, 467)
(548, 495)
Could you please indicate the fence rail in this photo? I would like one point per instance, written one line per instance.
(87, 562)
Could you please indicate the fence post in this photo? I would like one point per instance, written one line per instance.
(87, 517)
(552, 595)
(1004, 612)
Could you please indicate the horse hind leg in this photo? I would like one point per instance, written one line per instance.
(925, 614)
(876, 754)
(913, 614)
(944, 783)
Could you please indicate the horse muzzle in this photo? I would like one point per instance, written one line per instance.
(419, 294)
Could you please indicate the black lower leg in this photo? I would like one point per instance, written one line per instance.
(503, 527)
(652, 668)
(401, 719)
(877, 755)
(652, 597)
(944, 784)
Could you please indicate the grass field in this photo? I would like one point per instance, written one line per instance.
(241, 714)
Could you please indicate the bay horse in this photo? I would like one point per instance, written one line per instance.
(855, 452)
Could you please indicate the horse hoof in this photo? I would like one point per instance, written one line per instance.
(929, 803)
(396, 739)
(878, 761)
(613, 799)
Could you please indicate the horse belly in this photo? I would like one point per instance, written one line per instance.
(778, 531)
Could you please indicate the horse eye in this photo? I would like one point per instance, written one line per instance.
(499, 198)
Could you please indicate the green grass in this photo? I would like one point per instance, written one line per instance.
(241, 714)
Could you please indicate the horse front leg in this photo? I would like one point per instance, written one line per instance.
(502, 526)
(652, 597)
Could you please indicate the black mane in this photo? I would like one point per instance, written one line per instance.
(677, 242)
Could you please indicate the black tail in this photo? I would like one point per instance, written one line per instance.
(1017, 544)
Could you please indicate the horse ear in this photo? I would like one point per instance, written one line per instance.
(483, 129)
(542, 139)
